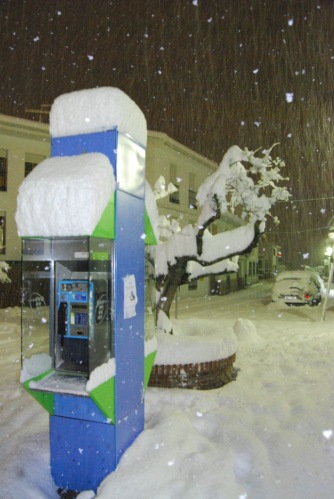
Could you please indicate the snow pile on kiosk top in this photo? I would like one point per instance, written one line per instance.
(65, 196)
(97, 110)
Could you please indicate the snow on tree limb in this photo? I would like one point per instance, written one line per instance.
(225, 244)
(234, 188)
(196, 270)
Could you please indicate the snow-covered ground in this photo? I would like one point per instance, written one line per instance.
(269, 434)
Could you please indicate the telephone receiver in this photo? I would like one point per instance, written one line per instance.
(62, 321)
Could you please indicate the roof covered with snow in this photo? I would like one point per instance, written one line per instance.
(97, 110)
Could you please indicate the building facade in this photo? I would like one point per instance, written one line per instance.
(269, 259)
(25, 143)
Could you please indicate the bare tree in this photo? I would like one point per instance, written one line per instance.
(245, 185)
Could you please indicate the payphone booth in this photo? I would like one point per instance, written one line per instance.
(69, 281)
(83, 341)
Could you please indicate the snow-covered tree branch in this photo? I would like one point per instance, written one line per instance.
(244, 184)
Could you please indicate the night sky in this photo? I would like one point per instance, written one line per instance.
(210, 74)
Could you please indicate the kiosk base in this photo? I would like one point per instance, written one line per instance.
(84, 451)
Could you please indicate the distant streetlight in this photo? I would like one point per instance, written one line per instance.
(329, 251)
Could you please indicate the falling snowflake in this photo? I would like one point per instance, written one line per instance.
(289, 97)
(327, 434)
(90, 57)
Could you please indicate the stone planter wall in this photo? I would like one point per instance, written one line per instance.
(200, 376)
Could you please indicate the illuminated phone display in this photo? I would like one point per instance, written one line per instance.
(80, 319)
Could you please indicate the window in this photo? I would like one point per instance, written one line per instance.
(252, 268)
(174, 197)
(2, 232)
(192, 284)
(3, 169)
(192, 202)
(30, 161)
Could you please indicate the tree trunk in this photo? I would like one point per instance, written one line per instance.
(168, 286)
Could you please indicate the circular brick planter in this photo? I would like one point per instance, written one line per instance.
(199, 376)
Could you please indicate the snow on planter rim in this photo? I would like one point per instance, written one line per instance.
(195, 341)
(97, 110)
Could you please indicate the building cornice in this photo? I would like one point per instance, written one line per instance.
(20, 127)
(178, 147)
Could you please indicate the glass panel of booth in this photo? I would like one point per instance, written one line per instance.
(36, 298)
(67, 303)
(130, 166)
(101, 270)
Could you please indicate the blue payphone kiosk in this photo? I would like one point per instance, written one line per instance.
(83, 339)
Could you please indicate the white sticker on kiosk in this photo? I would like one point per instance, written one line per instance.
(130, 296)
(81, 254)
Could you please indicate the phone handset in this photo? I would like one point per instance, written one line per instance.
(62, 321)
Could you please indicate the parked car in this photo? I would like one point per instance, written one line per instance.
(299, 287)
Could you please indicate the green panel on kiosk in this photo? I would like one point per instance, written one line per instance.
(46, 399)
(150, 238)
(106, 224)
(104, 397)
(101, 256)
(148, 365)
